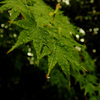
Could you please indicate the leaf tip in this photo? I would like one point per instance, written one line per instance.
(57, 7)
(10, 22)
(37, 63)
(84, 69)
(47, 76)
(8, 52)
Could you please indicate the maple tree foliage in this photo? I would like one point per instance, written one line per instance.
(53, 36)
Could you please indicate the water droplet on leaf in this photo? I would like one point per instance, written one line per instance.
(23, 40)
(65, 56)
(62, 44)
(47, 77)
(28, 36)
(46, 33)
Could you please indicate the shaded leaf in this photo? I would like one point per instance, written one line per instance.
(89, 88)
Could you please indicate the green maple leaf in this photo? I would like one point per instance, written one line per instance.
(50, 35)
(89, 88)
(29, 27)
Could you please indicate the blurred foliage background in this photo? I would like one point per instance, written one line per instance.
(21, 80)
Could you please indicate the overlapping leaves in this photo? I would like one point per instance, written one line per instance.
(49, 39)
